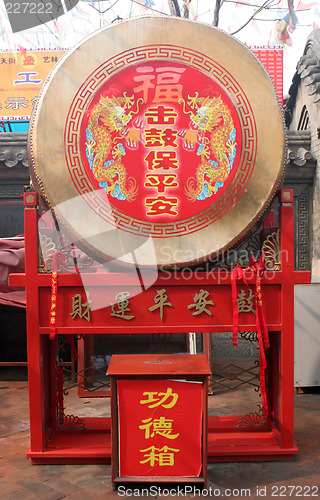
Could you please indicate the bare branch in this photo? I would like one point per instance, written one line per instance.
(263, 6)
(174, 8)
(185, 12)
(177, 8)
(215, 21)
(171, 7)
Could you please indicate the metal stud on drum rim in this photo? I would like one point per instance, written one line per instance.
(158, 142)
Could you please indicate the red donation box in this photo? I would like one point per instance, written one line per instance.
(159, 418)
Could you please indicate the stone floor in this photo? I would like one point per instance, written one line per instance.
(21, 480)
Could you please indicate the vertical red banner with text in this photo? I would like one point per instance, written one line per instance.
(160, 428)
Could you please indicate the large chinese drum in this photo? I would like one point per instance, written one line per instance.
(158, 141)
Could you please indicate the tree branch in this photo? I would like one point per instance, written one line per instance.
(215, 21)
(263, 6)
(185, 12)
(174, 8)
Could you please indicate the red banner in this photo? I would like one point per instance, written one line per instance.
(272, 59)
(160, 428)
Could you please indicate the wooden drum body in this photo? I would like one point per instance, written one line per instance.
(158, 142)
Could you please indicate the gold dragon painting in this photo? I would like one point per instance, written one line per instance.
(110, 116)
(212, 134)
(213, 128)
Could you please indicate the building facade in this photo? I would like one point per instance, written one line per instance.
(302, 112)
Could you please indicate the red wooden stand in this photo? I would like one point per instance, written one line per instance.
(51, 439)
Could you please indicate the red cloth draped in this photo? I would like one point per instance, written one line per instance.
(11, 261)
(238, 273)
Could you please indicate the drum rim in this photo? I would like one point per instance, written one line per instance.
(245, 232)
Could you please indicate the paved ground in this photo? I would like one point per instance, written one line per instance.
(21, 480)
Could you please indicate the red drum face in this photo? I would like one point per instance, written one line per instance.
(164, 143)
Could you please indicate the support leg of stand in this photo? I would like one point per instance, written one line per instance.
(37, 396)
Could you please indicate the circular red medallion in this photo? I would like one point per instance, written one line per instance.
(161, 144)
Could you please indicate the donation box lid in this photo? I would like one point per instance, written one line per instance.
(155, 364)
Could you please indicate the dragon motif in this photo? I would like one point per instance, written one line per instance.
(108, 117)
(211, 117)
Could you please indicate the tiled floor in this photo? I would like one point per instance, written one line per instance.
(21, 480)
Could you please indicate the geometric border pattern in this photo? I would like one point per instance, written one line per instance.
(303, 232)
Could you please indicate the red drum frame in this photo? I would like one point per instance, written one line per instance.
(226, 441)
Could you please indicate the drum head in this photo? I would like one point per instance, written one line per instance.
(158, 141)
